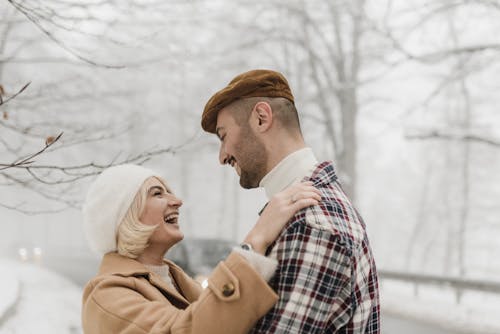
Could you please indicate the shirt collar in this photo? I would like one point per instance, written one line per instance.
(292, 168)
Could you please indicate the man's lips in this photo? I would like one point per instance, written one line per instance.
(237, 168)
(235, 165)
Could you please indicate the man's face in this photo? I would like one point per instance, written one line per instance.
(241, 148)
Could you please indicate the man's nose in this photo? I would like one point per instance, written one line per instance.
(223, 156)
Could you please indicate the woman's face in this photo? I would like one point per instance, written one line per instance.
(162, 209)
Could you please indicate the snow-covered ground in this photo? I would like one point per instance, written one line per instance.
(36, 300)
(10, 291)
(477, 312)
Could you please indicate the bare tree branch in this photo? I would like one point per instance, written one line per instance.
(19, 208)
(2, 101)
(50, 35)
(25, 161)
(436, 134)
(442, 55)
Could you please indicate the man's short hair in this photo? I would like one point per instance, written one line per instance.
(284, 111)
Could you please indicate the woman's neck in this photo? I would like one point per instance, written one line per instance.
(150, 258)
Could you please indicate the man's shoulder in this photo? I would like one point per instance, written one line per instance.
(323, 173)
(334, 215)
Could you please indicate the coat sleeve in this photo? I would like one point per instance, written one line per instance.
(235, 299)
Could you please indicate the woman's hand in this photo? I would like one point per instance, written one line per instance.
(278, 211)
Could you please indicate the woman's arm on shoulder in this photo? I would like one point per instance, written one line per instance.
(236, 297)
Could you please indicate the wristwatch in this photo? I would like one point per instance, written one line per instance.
(246, 247)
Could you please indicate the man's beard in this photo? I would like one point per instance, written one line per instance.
(253, 159)
(249, 180)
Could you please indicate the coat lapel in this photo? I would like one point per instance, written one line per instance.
(167, 289)
(115, 264)
(189, 287)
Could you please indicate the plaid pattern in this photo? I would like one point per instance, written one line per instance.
(326, 277)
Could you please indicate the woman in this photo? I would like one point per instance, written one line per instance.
(132, 217)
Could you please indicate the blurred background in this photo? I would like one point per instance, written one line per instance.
(401, 95)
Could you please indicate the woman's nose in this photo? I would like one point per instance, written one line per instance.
(175, 202)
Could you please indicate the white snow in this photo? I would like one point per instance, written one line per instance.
(46, 301)
(476, 313)
(9, 292)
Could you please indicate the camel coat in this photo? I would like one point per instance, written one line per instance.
(127, 298)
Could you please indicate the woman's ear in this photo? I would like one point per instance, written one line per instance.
(262, 115)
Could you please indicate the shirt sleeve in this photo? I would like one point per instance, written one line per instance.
(313, 280)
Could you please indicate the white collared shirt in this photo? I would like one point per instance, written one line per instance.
(291, 169)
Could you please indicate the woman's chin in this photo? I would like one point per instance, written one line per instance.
(172, 227)
(172, 232)
(179, 236)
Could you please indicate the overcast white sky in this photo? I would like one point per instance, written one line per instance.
(427, 128)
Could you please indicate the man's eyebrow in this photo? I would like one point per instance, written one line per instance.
(217, 131)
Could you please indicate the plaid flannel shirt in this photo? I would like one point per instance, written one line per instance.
(326, 277)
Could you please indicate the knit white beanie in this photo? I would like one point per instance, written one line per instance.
(108, 200)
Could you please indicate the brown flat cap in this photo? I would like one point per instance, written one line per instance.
(255, 83)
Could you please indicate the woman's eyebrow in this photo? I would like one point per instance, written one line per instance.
(155, 188)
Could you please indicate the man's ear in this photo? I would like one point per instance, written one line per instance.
(262, 116)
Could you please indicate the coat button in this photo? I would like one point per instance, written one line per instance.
(228, 289)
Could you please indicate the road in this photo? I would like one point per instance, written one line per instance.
(393, 325)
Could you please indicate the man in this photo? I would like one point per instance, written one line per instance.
(326, 277)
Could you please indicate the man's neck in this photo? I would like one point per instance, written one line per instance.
(292, 168)
(278, 152)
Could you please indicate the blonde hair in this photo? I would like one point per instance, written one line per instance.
(133, 236)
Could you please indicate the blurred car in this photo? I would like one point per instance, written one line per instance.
(199, 256)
